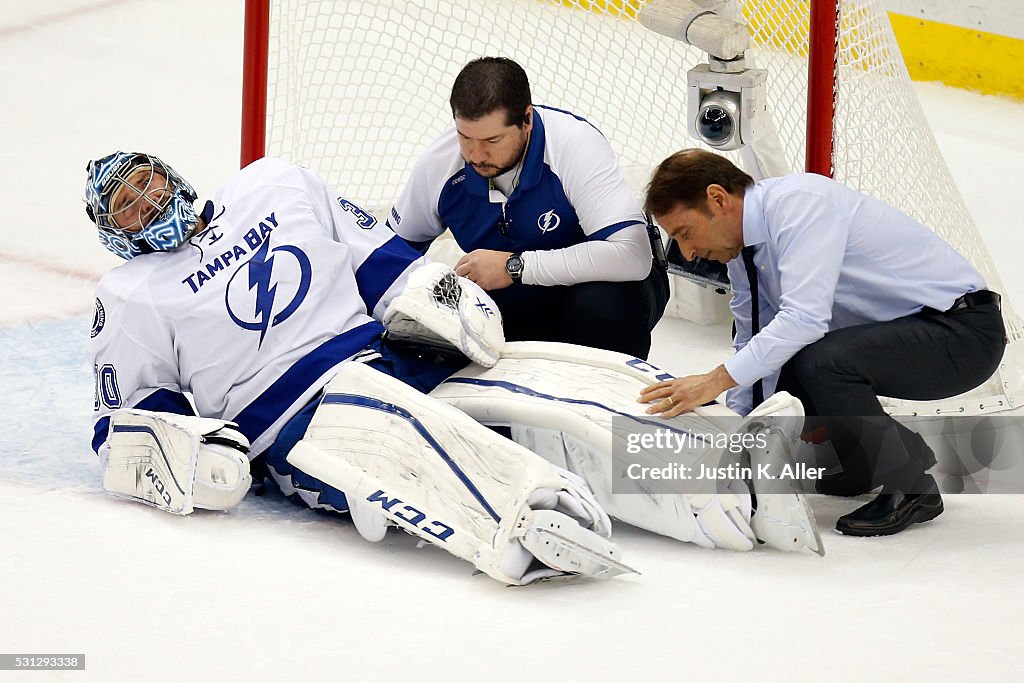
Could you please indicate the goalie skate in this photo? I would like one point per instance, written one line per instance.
(560, 543)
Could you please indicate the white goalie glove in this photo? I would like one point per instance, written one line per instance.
(439, 307)
(176, 462)
(406, 460)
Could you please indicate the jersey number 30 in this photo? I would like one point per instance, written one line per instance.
(107, 393)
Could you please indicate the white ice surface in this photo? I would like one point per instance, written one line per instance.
(270, 590)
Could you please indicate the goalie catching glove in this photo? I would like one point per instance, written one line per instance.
(176, 462)
(439, 307)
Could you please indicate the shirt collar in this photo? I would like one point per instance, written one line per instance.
(533, 165)
(755, 229)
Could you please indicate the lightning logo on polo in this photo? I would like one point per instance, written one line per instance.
(548, 221)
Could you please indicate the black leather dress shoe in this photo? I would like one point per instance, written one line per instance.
(893, 511)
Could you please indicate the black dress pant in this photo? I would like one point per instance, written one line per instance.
(927, 356)
(617, 316)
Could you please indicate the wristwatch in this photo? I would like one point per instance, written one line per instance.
(514, 267)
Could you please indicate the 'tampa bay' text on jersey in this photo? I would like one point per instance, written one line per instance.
(253, 315)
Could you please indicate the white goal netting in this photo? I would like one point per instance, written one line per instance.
(357, 89)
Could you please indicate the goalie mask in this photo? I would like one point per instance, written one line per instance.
(139, 203)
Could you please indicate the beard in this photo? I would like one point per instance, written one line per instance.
(495, 170)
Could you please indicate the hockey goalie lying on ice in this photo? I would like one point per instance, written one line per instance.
(332, 407)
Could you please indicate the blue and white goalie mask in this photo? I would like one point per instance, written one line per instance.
(139, 203)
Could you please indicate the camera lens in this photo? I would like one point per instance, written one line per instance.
(715, 124)
(718, 120)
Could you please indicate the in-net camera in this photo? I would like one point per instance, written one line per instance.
(726, 110)
(726, 104)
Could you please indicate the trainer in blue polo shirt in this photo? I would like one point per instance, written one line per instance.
(536, 199)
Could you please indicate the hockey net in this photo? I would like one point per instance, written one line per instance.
(356, 90)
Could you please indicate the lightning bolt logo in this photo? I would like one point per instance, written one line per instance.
(260, 270)
(263, 289)
(548, 221)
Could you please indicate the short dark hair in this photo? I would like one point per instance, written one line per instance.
(684, 178)
(490, 84)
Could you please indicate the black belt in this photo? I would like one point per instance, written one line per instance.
(973, 299)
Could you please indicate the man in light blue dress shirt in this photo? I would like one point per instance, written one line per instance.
(854, 300)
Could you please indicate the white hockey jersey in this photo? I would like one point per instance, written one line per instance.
(251, 317)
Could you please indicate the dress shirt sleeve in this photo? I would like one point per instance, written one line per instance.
(807, 236)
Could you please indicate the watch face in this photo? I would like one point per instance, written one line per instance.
(514, 266)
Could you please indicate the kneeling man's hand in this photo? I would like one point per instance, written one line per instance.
(486, 268)
(675, 396)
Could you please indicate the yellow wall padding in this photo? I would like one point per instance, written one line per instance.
(628, 8)
(933, 51)
(961, 57)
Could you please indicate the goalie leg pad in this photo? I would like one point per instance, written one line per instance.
(437, 474)
(175, 462)
(707, 520)
(783, 518)
(559, 400)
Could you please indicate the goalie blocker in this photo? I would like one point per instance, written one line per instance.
(175, 462)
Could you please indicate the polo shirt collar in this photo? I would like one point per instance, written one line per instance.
(533, 165)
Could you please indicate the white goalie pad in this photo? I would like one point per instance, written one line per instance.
(176, 462)
(439, 307)
(560, 400)
(437, 474)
